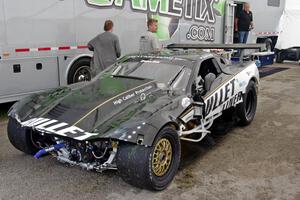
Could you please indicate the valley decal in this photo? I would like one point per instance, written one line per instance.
(224, 98)
(52, 126)
(203, 13)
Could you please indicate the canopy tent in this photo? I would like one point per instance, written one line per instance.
(289, 29)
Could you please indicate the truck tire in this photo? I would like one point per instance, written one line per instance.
(150, 167)
(278, 57)
(268, 43)
(247, 109)
(20, 138)
(80, 71)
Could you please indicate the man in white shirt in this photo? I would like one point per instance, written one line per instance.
(149, 42)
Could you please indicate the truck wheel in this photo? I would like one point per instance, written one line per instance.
(150, 167)
(246, 110)
(80, 71)
(20, 138)
(278, 58)
(268, 43)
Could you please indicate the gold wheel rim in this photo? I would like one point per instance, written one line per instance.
(162, 157)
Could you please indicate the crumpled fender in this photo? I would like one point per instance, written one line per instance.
(140, 133)
(146, 130)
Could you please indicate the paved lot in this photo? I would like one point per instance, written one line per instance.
(261, 161)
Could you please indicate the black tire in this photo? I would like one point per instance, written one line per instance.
(247, 109)
(134, 162)
(278, 58)
(268, 43)
(80, 71)
(20, 137)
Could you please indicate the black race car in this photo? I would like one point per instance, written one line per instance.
(132, 116)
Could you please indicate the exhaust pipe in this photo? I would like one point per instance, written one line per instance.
(44, 151)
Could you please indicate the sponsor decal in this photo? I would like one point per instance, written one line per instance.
(52, 126)
(168, 13)
(133, 94)
(199, 10)
(224, 97)
(143, 97)
(202, 33)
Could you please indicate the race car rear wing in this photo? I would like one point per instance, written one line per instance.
(239, 46)
(261, 47)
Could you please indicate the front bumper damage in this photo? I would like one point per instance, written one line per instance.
(63, 155)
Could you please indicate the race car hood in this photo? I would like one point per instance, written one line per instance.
(100, 100)
(102, 104)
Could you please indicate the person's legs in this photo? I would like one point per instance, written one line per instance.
(241, 36)
(245, 37)
(241, 40)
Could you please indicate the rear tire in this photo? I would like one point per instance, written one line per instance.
(20, 137)
(247, 109)
(80, 71)
(150, 167)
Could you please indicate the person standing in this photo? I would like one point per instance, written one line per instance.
(106, 48)
(244, 23)
(149, 41)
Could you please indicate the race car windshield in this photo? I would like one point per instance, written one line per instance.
(161, 71)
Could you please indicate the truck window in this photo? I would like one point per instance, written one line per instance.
(274, 3)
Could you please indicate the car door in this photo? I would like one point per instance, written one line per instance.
(222, 93)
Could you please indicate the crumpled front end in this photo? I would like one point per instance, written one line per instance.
(51, 137)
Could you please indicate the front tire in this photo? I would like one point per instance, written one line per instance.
(20, 137)
(150, 167)
(247, 109)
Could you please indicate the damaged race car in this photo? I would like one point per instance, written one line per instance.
(132, 116)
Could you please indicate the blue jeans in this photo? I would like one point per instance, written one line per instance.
(243, 36)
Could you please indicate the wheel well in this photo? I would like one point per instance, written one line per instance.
(254, 80)
(73, 63)
(77, 60)
(173, 125)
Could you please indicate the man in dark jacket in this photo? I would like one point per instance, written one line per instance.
(244, 23)
(106, 49)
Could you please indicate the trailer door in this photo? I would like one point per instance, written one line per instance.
(229, 22)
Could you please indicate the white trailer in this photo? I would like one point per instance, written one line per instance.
(43, 43)
(266, 16)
